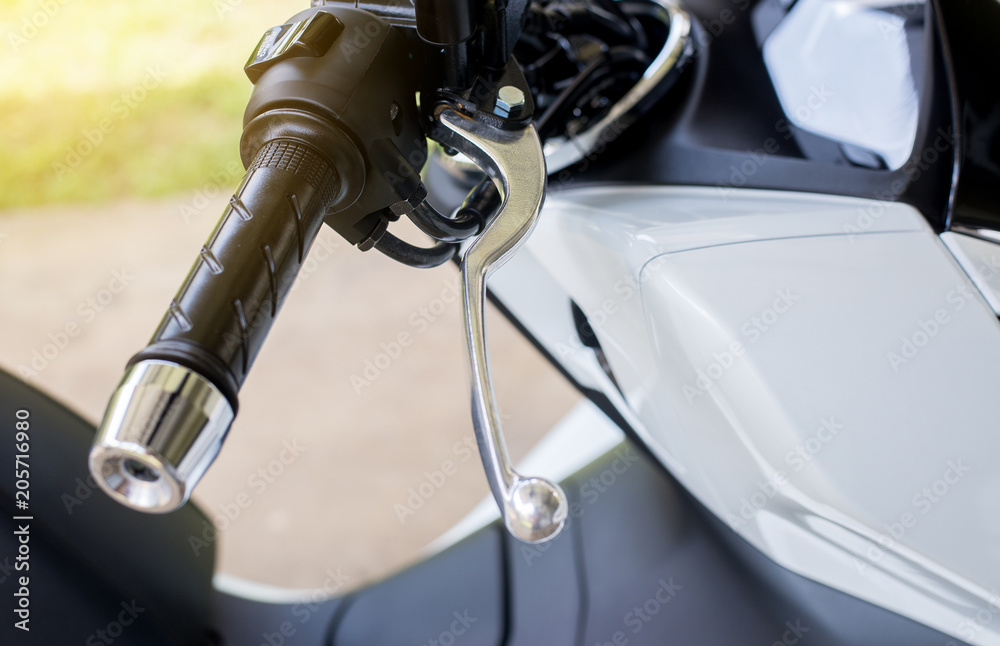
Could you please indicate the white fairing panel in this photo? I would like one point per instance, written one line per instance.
(817, 370)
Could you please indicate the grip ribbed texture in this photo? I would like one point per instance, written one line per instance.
(301, 160)
(222, 313)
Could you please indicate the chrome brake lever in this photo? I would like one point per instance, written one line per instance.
(534, 509)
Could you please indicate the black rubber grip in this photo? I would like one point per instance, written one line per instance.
(222, 313)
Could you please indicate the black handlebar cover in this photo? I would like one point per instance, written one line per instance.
(223, 311)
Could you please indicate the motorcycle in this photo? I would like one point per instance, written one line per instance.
(759, 237)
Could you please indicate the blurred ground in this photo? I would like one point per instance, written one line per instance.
(350, 495)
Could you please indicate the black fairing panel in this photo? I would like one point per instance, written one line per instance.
(88, 559)
(972, 52)
(640, 563)
(457, 597)
(659, 569)
(245, 622)
(721, 125)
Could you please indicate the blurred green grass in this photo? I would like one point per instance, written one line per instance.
(65, 65)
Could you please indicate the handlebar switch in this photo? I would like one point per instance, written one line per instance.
(310, 37)
(366, 83)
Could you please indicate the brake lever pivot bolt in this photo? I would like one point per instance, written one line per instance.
(510, 101)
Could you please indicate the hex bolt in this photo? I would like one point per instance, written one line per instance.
(510, 100)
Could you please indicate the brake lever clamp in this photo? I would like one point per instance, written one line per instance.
(534, 509)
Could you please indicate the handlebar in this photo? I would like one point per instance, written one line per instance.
(333, 133)
(187, 379)
(330, 116)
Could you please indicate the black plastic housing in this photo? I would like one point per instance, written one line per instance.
(366, 83)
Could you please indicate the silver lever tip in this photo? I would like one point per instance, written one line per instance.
(163, 428)
(536, 510)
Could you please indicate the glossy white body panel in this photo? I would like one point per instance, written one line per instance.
(816, 370)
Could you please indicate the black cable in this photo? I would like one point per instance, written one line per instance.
(464, 225)
(546, 123)
(603, 67)
(568, 19)
(482, 202)
(419, 257)
(638, 33)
